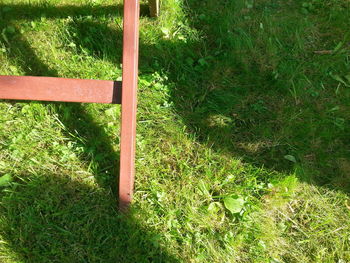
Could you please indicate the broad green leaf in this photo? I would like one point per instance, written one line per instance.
(290, 158)
(234, 205)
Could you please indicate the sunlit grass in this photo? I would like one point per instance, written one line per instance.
(242, 145)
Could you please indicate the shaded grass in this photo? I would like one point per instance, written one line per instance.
(237, 99)
(56, 208)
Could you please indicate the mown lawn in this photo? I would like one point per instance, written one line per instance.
(243, 146)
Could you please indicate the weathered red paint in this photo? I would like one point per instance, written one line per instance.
(59, 89)
(129, 101)
(96, 91)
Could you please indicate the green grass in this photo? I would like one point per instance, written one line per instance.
(243, 134)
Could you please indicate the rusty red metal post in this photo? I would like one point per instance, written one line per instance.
(129, 102)
(96, 91)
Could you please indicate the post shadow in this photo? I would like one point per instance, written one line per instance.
(52, 218)
(38, 232)
(37, 11)
(241, 116)
(234, 116)
(97, 145)
(243, 120)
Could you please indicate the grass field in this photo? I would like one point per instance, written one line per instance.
(243, 147)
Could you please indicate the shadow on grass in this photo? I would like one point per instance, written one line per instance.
(96, 144)
(242, 97)
(50, 218)
(231, 90)
(37, 11)
(263, 96)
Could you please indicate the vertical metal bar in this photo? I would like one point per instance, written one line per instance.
(129, 103)
(153, 8)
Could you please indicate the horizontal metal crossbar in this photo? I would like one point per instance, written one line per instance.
(96, 91)
(60, 89)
